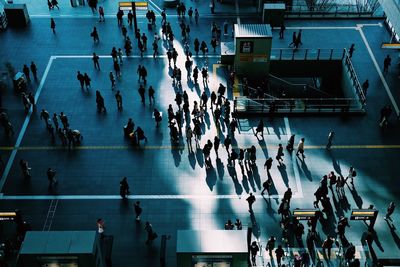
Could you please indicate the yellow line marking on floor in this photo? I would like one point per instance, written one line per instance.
(150, 147)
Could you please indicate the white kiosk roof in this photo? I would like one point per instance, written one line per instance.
(212, 241)
(58, 242)
(253, 31)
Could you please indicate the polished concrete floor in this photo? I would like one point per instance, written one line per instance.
(175, 189)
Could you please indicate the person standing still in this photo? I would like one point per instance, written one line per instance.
(53, 25)
(331, 135)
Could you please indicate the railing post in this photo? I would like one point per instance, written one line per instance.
(336, 11)
(319, 50)
(305, 56)
(344, 53)
(330, 57)
(280, 54)
(348, 10)
(293, 54)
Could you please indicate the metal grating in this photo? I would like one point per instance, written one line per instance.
(253, 30)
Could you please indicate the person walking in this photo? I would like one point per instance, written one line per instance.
(124, 188)
(44, 115)
(386, 64)
(300, 148)
(112, 80)
(282, 31)
(227, 144)
(280, 154)
(157, 117)
(100, 102)
(151, 95)
(351, 50)
(95, 35)
(260, 129)
(101, 14)
(351, 175)
(365, 87)
(34, 70)
(118, 97)
(327, 246)
(86, 80)
(250, 200)
(389, 212)
(53, 25)
(279, 252)
(25, 70)
(294, 39)
(298, 39)
(189, 136)
(81, 79)
(95, 59)
(138, 210)
(254, 249)
(151, 235)
(196, 16)
(331, 135)
(266, 186)
(55, 121)
(51, 174)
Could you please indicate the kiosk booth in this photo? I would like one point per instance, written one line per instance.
(252, 44)
(213, 248)
(61, 248)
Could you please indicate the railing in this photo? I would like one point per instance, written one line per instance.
(353, 76)
(297, 105)
(333, 10)
(307, 54)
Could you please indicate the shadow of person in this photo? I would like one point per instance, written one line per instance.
(263, 146)
(199, 157)
(245, 184)
(284, 175)
(392, 229)
(336, 164)
(192, 159)
(220, 168)
(357, 198)
(256, 175)
(176, 155)
(270, 211)
(255, 226)
(251, 180)
(305, 169)
(211, 178)
(339, 210)
(238, 188)
(207, 120)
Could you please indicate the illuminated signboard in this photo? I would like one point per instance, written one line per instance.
(8, 216)
(363, 214)
(301, 214)
(129, 5)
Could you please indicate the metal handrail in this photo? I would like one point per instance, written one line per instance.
(306, 54)
(333, 10)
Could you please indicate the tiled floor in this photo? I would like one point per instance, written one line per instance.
(175, 190)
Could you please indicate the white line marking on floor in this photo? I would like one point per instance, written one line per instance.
(323, 28)
(156, 7)
(378, 69)
(133, 56)
(24, 127)
(148, 197)
(294, 160)
(237, 11)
